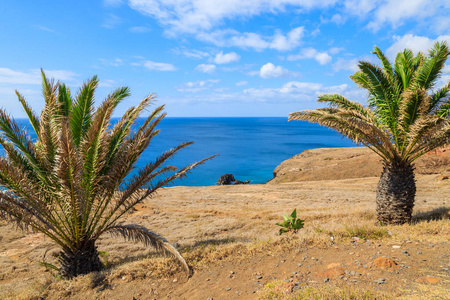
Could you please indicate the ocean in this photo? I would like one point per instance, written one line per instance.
(248, 148)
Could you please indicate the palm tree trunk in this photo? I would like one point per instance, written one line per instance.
(395, 193)
(82, 261)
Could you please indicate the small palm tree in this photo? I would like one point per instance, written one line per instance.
(74, 182)
(406, 118)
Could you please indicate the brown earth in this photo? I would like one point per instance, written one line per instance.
(345, 163)
(229, 237)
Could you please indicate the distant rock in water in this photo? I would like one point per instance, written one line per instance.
(242, 182)
(228, 179)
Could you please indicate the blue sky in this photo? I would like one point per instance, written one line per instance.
(209, 57)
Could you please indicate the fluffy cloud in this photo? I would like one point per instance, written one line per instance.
(241, 83)
(251, 40)
(413, 42)
(193, 16)
(206, 68)
(322, 58)
(304, 92)
(346, 64)
(226, 58)
(397, 12)
(269, 70)
(197, 86)
(157, 66)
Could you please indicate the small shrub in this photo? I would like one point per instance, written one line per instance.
(290, 223)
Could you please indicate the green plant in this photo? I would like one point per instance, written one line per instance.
(406, 117)
(74, 182)
(290, 223)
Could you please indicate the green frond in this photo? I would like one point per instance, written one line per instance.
(431, 68)
(439, 98)
(82, 110)
(140, 234)
(404, 67)
(386, 64)
(65, 100)
(32, 117)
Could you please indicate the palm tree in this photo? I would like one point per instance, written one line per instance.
(406, 117)
(73, 182)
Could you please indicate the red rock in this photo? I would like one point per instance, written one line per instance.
(427, 279)
(385, 263)
(333, 272)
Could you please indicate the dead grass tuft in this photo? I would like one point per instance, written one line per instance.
(276, 290)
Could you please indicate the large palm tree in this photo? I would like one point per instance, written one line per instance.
(406, 117)
(73, 182)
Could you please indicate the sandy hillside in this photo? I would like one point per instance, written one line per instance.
(345, 163)
(228, 236)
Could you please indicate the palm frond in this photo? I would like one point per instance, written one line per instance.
(32, 117)
(140, 234)
(65, 100)
(404, 67)
(386, 64)
(431, 68)
(82, 110)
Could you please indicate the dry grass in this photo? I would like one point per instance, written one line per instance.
(278, 290)
(229, 224)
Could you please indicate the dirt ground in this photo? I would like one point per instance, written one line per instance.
(228, 236)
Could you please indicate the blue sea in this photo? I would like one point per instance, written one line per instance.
(248, 148)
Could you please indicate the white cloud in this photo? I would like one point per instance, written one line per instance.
(251, 40)
(414, 43)
(115, 62)
(206, 68)
(241, 83)
(191, 53)
(226, 58)
(396, 12)
(139, 29)
(322, 58)
(34, 76)
(290, 41)
(157, 66)
(197, 86)
(193, 16)
(338, 19)
(269, 70)
(304, 92)
(346, 64)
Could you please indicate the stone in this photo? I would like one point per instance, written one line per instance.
(396, 247)
(385, 263)
(380, 281)
(226, 179)
(428, 279)
(228, 289)
(242, 182)
(333, 272)
(333, 265)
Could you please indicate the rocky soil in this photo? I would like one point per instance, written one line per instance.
(229, 237)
